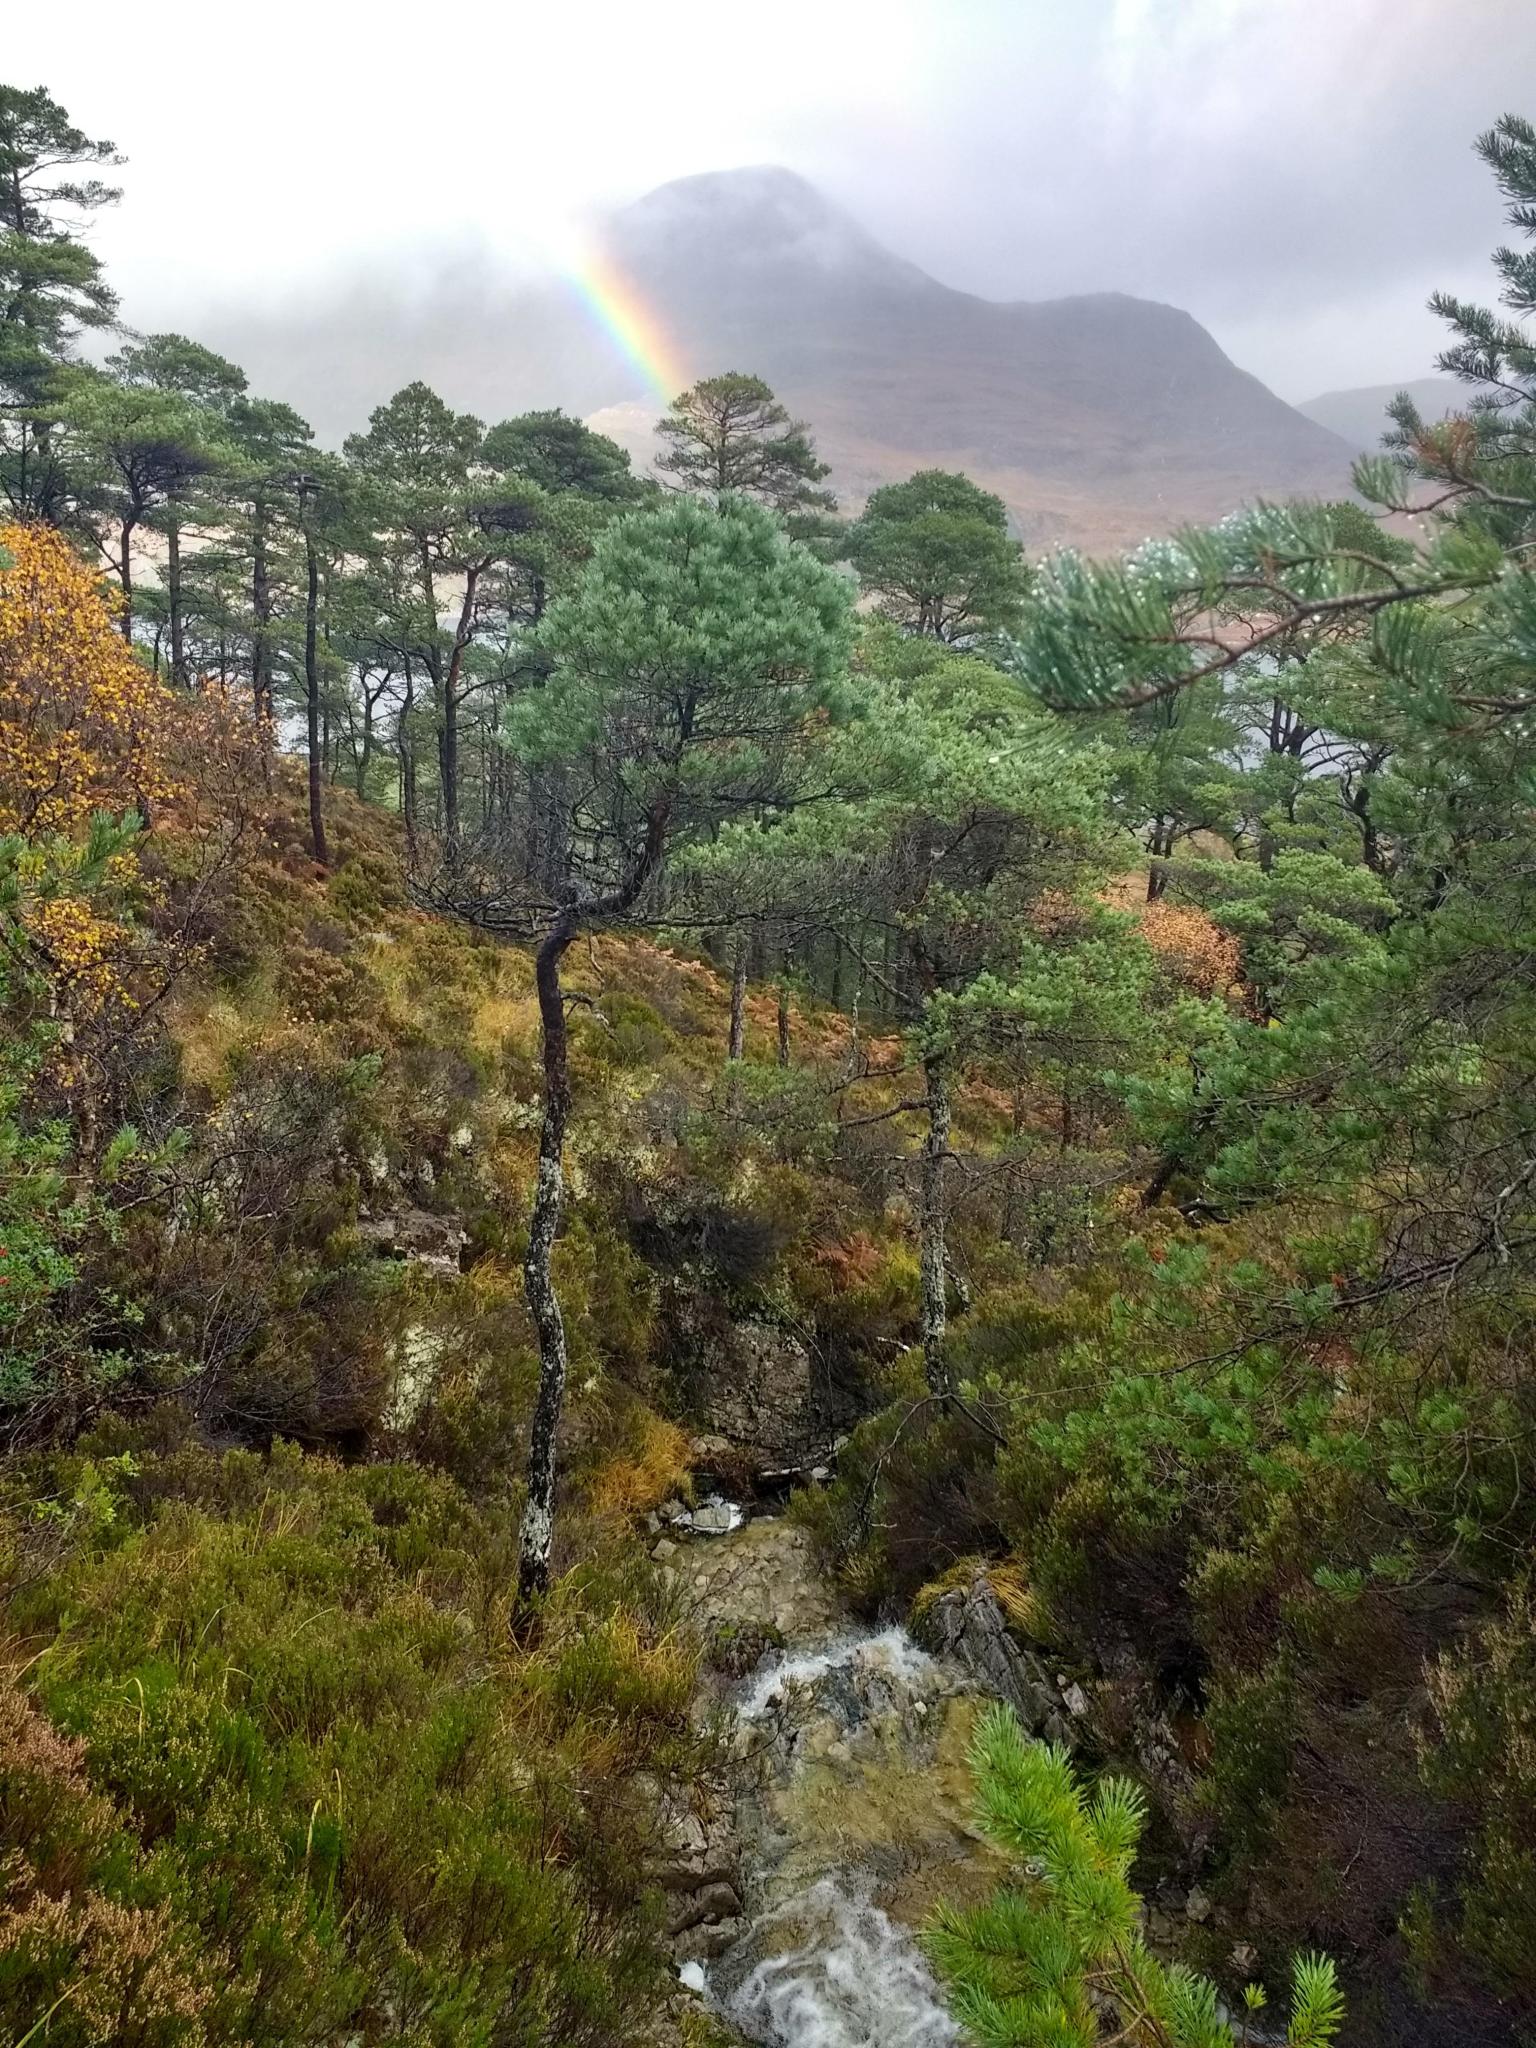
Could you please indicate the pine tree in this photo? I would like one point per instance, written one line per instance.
(1036, 1966)
(51, 286)
(729, 435)
(687, 669)
(936, 555)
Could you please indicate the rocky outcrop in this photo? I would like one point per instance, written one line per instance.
(436, 1242)
(967, 1623)
(750, 1385)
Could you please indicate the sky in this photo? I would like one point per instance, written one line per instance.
(1295, 173)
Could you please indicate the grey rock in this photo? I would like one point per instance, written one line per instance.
(715, 1518)
(752, 1388)
(968, 1623)
(436, 1242)
(663, 1549)
(711, 1902)
(1197, 1906)
(707, 1940)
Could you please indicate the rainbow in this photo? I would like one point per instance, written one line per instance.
(618, 309)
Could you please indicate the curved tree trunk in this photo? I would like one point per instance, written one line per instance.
(537, 1535)
(536, 1539)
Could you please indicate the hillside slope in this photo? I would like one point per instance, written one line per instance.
(1098, 418)
(1359, 416)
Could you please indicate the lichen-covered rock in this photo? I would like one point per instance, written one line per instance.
(436, 1242)
(754, 1389)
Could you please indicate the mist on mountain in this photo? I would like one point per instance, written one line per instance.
(1098, 418)
(1359, 415)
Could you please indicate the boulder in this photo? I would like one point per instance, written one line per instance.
(753, 1389)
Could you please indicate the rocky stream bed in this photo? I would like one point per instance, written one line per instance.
(845, 1814)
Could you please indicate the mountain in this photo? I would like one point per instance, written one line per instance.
(1098, 419)
(1360, 416)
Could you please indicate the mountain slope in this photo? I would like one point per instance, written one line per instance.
(1099, 419)
(1359, 416)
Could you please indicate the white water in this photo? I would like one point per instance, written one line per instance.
(854, 1978)
(714, 1516)
(891, 1653)
(858, 1981)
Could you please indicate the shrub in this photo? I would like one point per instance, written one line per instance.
(1484, 1696)
(294, 1783)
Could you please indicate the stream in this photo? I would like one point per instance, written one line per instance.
(849, 1808)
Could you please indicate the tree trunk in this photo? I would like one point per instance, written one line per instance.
(1160, 848)
(261, 616)
(448, 763)
(405, 739)
(738, 1037)
(932, 1218)
(125, 577)
(365, 750)
(784, 1011)
(536, 1538)
(312, 701)
(173, 600)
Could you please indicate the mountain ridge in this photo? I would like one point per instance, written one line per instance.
(1098, 418)
(1358, 414)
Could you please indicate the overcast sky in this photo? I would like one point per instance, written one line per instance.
(1296, 173)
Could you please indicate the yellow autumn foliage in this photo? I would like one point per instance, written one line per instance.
(82, 721)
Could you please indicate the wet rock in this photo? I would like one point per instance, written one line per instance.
(761, 1584)
(706, 1941)
(711, 1903)
(714, 1518)
(968, 1623)
(755, 1391)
